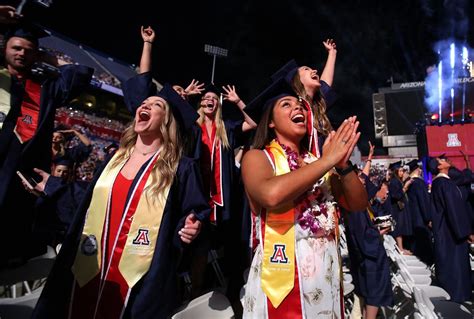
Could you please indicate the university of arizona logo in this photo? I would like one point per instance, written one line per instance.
(28, 119)
(279, 255)
(453, 140)
(142, 237)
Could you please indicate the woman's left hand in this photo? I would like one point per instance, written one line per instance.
(231, 94)
(192, 227)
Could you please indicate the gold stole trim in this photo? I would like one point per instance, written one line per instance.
(5, 97)
(278, 266)
(136, 258)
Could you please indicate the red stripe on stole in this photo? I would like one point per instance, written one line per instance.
(115, 287)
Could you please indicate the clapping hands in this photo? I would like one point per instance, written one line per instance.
(339, 144)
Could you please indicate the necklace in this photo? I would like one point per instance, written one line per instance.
(292, 156)
(145, 153)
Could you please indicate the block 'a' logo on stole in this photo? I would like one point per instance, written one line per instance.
(279, 254)
(142, 238)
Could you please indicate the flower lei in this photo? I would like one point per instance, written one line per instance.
(307, 218)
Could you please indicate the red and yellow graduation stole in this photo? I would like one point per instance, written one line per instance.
(136, 259)
(312, 132)
(215, 192)
(278, 267)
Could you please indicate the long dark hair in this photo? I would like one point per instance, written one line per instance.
(264, 134)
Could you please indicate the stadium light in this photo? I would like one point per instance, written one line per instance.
(215, 52)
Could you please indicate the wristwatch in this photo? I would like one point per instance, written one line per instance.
(345, 171)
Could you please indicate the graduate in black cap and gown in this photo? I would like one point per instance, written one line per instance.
(399, 206)
(369, 262)
(59, 196)
(211, 141)
(452, 233)
(28, 105)
(463, 179)
(120, 256)
(295, 270)
(420, 210)
(316, 94)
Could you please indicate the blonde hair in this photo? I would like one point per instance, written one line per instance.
(221, 134)
(164, 171)
(317, 103)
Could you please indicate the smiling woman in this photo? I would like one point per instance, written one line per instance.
(120, 256)
(292, 194)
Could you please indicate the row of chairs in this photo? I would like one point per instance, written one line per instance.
(413, 278)
(22, 286)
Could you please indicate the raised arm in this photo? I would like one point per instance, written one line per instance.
(368, 163)
(328, 71)
(466, 159)
(148, 36)
(231, 96)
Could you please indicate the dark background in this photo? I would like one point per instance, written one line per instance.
(376, 40)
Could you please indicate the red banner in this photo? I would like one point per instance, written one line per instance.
(450, 140)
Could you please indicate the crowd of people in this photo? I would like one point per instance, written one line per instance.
(156, 203)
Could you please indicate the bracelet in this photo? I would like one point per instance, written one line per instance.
(369, 160)
(148, 41)
(345, 171)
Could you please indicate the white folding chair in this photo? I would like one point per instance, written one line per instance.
(21, 307)
(35, 269)
(420, 304)
(211, 305)
(432, 292)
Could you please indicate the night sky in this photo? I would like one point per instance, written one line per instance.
(376, 40)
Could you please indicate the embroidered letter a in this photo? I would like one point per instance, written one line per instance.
(279, 255)
(142, 237)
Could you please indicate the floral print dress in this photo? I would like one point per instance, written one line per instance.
(316, 253)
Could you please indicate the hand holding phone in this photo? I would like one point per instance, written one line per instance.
(28, 181)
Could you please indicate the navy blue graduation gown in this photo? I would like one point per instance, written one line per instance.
(402, 216)
(369, 262)
(55, 210)
(329, 95)
(155, 295)
(451, 228)
(420, 210)
(463, 180)
(16, 205)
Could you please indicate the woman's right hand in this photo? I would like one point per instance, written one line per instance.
(148, 34)
(339, 145)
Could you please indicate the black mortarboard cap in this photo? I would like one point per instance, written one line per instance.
(212, 88)
(26, 30)
(139, 87)
(183, 112)
(287, 72)
(395, 165)
(66, 161)
(413, 164)
(268, 97)
(432, 165)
